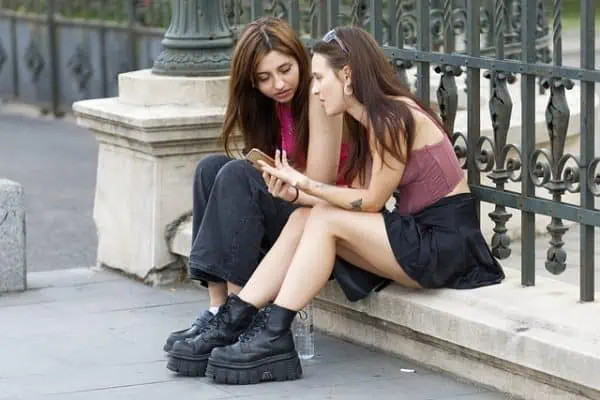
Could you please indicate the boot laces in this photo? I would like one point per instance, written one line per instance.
(258, 324)
(219, 320)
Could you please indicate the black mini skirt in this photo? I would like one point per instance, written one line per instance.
(440, 247)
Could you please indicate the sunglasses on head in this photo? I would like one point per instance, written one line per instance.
(331, 35)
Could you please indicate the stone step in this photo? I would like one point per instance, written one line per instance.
(534, 343)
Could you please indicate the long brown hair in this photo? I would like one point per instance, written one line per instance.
(251, 113)
(375, 85)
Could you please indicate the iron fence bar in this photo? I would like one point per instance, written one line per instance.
(537, 205)
(587, 250)
(500, 108)
(424, 45)
(333, 11)
(557, 122)
(256, 9)
(15, 60)
(97, 24)
(28, 17)
(528, 92)
(463, 60)
(448, 27)
(474, 88)
(323, 20)
(103, 52)
(375, 18)
(489, 8)
(392, 24)
(447, 91)
(54, 62)
(132, 35)
(294, 15)
(398, 29)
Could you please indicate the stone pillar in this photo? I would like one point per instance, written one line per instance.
(150, 139)
(152, 136)
(13, 266)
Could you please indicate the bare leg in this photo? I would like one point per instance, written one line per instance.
(360, 234)
(232, 288)
(265, 282)
(217, 293)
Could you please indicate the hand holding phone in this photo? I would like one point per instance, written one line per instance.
(256, 155)
(282, 170)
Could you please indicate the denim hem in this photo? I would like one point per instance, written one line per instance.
(218, 272)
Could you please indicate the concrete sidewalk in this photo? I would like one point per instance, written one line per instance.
(93, 334)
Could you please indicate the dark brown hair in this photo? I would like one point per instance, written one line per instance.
(251, 113)
(374, 84)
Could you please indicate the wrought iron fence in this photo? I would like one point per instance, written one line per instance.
(55, 52)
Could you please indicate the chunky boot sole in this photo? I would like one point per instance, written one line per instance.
(283, 367)
(168, 347)
(188, 367)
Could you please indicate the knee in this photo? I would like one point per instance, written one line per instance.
(322, 217)
(296, 222)
(208, 168)
(236, 170)
(299, 217)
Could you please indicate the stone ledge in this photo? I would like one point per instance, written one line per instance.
(165, 130)
(150, 119)
(534, 343)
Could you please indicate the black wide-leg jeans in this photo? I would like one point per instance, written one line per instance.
(235, 220)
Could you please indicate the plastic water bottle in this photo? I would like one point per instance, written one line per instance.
(303, 329)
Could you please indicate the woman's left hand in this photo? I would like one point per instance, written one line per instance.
(284, 171)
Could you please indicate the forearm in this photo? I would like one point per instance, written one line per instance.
(306, 199)
(343, 197)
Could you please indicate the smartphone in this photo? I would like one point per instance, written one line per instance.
(255, 155)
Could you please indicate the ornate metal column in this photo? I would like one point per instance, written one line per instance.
(198, 41)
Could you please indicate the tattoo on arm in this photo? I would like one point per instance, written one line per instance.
(357, 204)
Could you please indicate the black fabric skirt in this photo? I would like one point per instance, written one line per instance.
(441, 246)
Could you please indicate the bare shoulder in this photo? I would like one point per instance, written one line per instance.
(416, 110)
(427, 131)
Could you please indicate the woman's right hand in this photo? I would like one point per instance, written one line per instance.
(279, 188)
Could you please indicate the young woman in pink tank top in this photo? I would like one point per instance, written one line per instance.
(431, 240)
(236, 216)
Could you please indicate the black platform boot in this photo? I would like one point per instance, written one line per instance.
(190, 356)
(198, 325)
(265, 352)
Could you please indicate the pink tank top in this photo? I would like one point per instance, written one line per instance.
(431, 173)
(286, 120)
